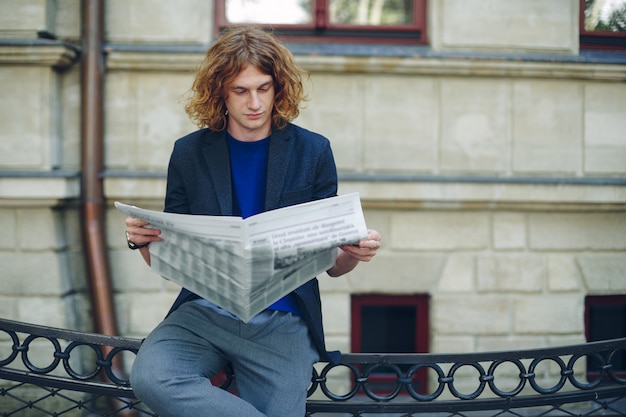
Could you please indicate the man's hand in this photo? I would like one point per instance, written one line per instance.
(139, 231)
(366, 249)
(141, 234)
(350, 255)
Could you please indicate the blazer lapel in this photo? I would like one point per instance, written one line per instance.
(218, 164)
(281, 147)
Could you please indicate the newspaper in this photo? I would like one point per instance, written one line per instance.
(245, 265)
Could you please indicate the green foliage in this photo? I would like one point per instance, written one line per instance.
(371, 12)
(616, 21)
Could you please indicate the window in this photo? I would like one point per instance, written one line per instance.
(390, 21)
(390, 324)
(605, 318)
(603, 24)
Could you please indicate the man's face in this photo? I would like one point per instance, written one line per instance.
(249, 101)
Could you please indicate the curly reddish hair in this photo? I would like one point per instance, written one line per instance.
(236, 49)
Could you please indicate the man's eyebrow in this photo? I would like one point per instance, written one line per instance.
(237, 86)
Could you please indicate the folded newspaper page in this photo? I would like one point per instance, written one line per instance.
(245, 265)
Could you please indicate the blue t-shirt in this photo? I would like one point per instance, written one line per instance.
(248, 167)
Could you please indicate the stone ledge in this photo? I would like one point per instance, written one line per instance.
(487, 195)
(130, 188)
(21, 191)
(188, 59)
(416, 194)
(462, 67)
(52, 55)
(151, 61)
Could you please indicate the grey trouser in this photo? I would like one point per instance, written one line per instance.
(272, 357)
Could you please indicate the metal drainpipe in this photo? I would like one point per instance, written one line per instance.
(92, 164)
(92, 194)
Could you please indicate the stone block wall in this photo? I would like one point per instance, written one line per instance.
(498, 279)
(493, 165)
(492, 25)
(43, 278)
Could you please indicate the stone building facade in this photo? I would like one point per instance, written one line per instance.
(492, 160)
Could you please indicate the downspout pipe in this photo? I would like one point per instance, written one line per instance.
(92, 166)
(92, 192)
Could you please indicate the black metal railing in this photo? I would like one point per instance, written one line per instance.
(82, 374)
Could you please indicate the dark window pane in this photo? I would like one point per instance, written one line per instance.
(390, 324)
(388, 329)
(607, 321)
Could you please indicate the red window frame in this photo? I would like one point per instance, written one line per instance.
(598, 39)
(321, 30)
(600, 300)
(422, 331)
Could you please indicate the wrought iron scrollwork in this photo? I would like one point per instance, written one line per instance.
(530, 387)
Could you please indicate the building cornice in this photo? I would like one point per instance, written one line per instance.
(406, 192)
(589, 65)
(44, 189)
(59, 55)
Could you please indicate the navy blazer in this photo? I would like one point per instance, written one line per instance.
(300, 168)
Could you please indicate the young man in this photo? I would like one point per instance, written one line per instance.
(246, 159)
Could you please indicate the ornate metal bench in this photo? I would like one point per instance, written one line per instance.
(81, 377)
